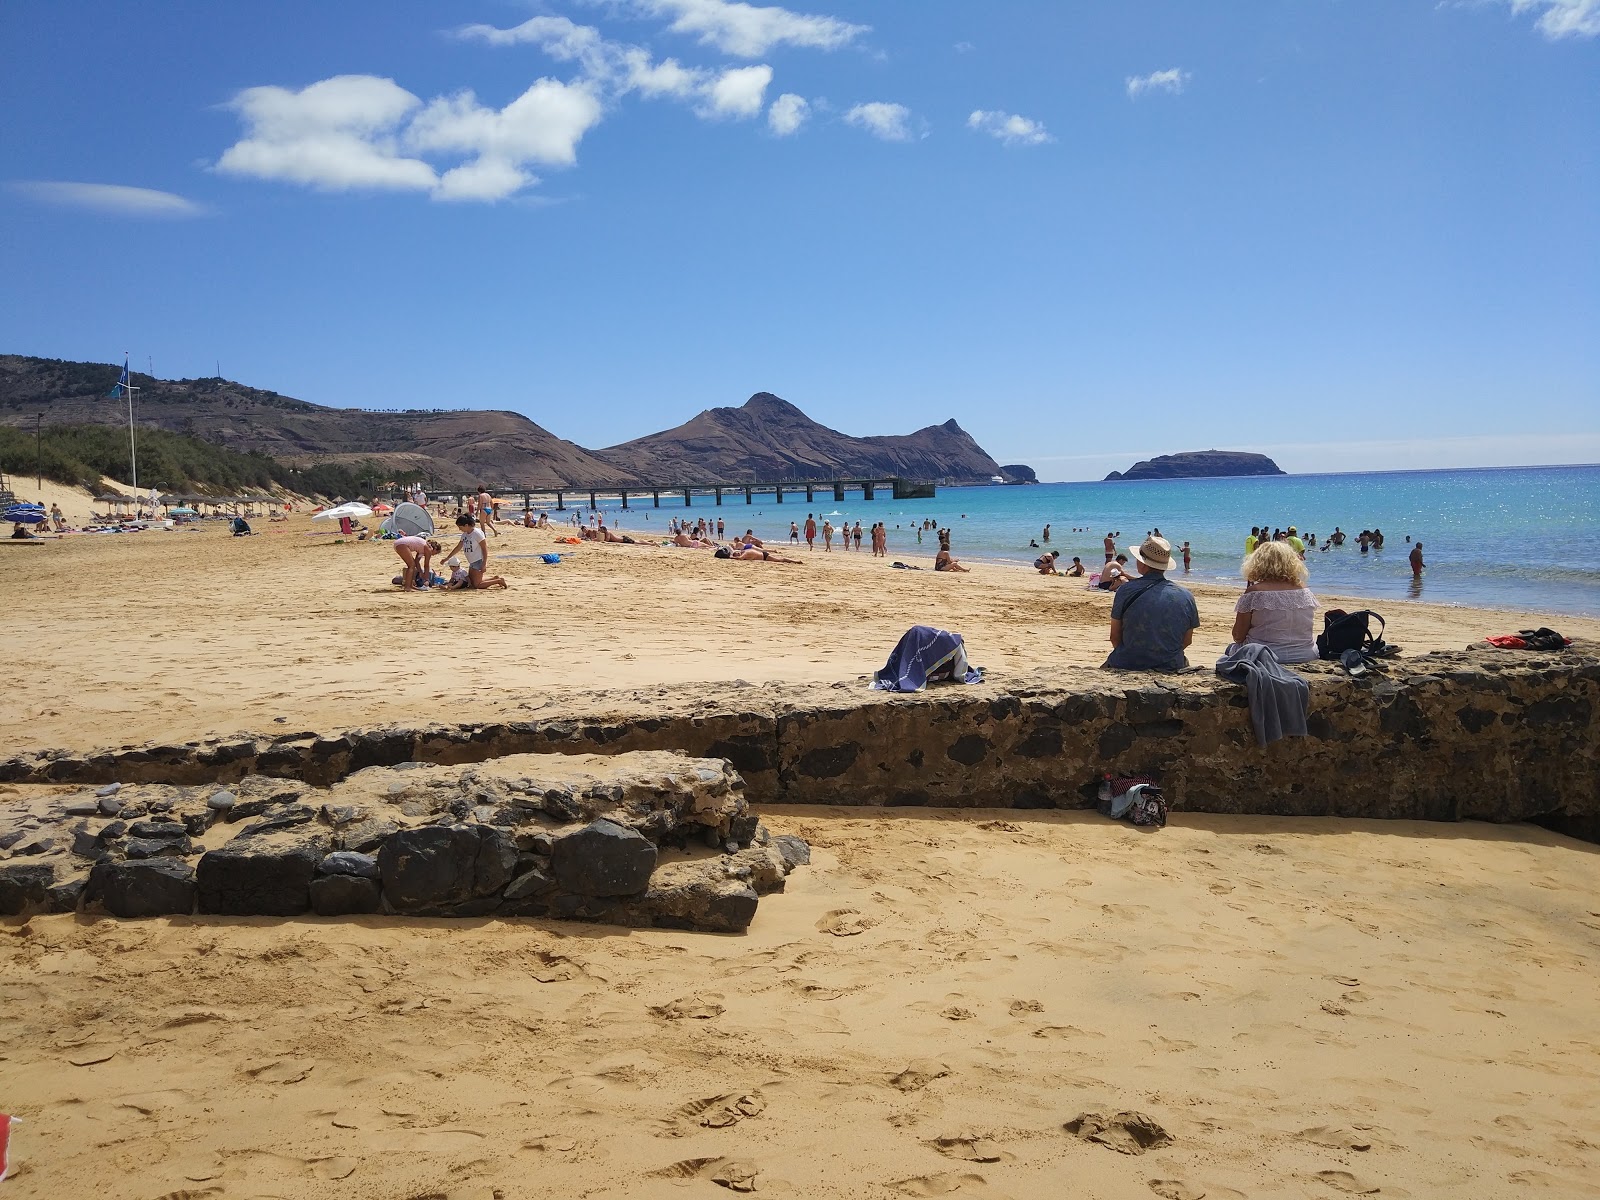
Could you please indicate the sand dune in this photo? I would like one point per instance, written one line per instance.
(1306, 1008)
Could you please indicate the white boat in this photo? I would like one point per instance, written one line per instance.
(997, 479)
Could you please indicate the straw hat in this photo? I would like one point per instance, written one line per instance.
(1155, 553)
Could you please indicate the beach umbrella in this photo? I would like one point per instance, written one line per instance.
(380, 507)
(24, 514)
(353, 510)
(183, 510)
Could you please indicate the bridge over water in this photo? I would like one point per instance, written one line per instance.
(899, 489)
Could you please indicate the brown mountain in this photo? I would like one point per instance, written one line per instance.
(768, 439)
(765, 440)
(457, 448)
(1200, 464)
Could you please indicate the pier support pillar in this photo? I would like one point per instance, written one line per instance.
(747, 496)
(838, 491)
(657, 498)
(719, 497)
(866, 491)
(593, 503)
(561, 504)
(687, 503)
(811, 493)
(624, 501)
(780, 493)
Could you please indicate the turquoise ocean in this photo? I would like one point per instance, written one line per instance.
(1508, 537)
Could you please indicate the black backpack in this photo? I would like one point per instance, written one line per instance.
(1344, 631)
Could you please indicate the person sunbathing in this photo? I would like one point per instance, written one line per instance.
(753, 554)
(691, 543)
(948, 562)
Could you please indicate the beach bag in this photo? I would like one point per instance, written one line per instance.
(1345, 631)
(1136, 799)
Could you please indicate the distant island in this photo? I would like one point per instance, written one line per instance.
(1019, 473)
(1200, 464)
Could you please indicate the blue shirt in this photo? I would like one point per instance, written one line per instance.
(1154, 629)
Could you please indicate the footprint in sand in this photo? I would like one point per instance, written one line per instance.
(718, 1112)
(1174, 1189)
(729, 1173)
(1335, 1137)
(691, 1008)
(845, 922)
(1343, 1181)
(956, 1013)
(281, 1070)
(941, 1183)
(968, 1147)
(1022, 1007)
(919, 1073)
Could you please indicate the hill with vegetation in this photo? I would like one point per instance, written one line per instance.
(765, 440)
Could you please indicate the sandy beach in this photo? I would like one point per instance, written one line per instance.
(175, 636)
(1304, 1007)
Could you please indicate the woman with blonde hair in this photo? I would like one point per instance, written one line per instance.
(1277, 609)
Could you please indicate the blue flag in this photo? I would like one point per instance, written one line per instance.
(116, 392)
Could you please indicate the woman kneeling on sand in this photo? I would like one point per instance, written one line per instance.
(476, 549)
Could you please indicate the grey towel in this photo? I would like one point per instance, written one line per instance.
(1279, 699)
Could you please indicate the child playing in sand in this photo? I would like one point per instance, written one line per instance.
(477, 554)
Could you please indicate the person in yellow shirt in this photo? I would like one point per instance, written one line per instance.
(1251, 542)
(1294, 540)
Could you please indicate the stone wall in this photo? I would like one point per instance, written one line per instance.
(1480, 734)
(633, 839)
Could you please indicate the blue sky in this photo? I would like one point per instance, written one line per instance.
(1352, 233)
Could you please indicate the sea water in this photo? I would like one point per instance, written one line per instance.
(1513, 537)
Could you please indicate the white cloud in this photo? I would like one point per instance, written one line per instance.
(738, 92)
(112, 198)
(1173, 81)
(1009, 128)
(544, 124)
(336, 134)
(787, 114)
(485, 178)
(1562, 18)
(749, 31)
(964, 47)
(890, 122)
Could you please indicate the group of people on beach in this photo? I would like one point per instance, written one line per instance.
(1368, 540)
(468, 560)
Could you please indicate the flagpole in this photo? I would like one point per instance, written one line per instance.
(133, 453)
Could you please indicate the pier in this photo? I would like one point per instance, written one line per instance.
(898, 489)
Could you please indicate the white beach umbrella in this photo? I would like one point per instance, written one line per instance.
(354, 510)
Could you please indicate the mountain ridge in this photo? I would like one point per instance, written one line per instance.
(772, 441)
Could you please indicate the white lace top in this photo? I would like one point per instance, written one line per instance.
(1284, 621)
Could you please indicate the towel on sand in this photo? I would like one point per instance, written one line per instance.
(1279, 699)
(925, 653)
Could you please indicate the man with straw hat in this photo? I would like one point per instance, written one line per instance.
(1152, 619)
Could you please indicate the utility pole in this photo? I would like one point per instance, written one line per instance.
(38, 450)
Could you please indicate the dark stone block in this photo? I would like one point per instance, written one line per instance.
(1403, 718)
(603, 859)
(909, 798)
(534, 882)
(153, 887)
(742, 828)
(1159, 729)
(437, 866)
(1558, 710)
(250, 881)
(341, 895)
(1043, 742)
(158, 829)
(794, 851)
(915, 758)
(1474, 720)
(1003, 708)
(65, 896)
(748, 753)
(1148, 704)
(158, 847)
(969, 749)
(287, 818)
(24, 886)
(1115, 740)
(348, 862)
(828, 762)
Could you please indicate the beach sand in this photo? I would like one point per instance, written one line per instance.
(1306, 1007)
(175, 636)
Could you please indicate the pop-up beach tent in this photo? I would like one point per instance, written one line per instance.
(408, 520)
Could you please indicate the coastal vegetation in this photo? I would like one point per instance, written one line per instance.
(79, 455)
